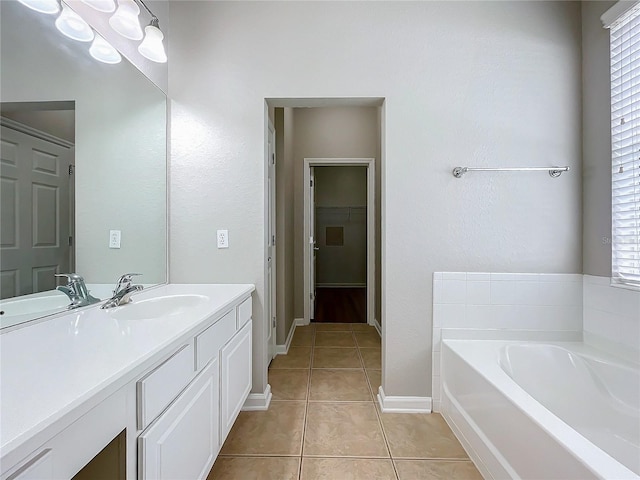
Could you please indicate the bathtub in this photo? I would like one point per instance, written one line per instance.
(542, 410)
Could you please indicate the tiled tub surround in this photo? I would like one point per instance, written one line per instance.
(611, 318)
(503, 306)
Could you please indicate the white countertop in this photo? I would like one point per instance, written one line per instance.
(50, 368)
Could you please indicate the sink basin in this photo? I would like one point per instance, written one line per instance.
(170, 305)
(43, 303)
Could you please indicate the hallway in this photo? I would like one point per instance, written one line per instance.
(324, 421)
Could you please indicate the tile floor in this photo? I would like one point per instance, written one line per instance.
(324, 421)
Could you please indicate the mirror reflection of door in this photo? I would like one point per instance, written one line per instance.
(36, 189)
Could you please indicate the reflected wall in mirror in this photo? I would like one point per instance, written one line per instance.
(60, 107)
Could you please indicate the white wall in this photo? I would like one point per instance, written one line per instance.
(465, 83)
(59, 123)
(596, 141)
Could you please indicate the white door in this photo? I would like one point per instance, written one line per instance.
(271, 245)
(184, 441)
(34, 176)
(312, 245)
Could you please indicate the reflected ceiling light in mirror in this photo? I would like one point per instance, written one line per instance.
(73, 26)
(152, 47)
(106, 6)
(103, 51)
(42, 6)
(125, 20)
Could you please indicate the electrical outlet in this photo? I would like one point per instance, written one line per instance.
(114, 238)
(223, 238)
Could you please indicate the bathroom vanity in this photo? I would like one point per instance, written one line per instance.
(163, 379)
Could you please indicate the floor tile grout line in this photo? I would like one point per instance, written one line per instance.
(306, 407)
(379, 416)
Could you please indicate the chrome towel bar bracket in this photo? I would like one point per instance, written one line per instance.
(554, 172)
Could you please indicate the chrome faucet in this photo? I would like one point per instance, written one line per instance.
(123, 291)
(76, 290)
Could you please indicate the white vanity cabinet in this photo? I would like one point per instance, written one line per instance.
(185, 438)
(155, 401)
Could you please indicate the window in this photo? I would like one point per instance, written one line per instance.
(625, 142)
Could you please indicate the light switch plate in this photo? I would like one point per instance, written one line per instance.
(114, 238)
(223, 238)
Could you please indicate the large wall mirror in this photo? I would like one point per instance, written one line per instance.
(83, 153)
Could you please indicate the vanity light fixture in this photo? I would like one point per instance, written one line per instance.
(125, 20)
(73, 26)
(106, 6)
(103, 51)
(152, 47)
(43, 6)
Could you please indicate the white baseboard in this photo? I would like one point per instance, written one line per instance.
(378, 326)
(395, 404)
(258, 401)
(284, 349)
(300, 322)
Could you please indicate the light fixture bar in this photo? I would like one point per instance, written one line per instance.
(153, 17)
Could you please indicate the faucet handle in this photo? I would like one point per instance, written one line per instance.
(71, 277)
(126, 279)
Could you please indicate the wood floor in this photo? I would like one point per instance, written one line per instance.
(341, 305)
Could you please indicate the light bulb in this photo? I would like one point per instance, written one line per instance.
(106, 6)
(152, 47)
(125, 20)
(42, 6)
(103, 51)
(73, 26)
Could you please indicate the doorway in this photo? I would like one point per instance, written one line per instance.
(332, 129)
(339, 267)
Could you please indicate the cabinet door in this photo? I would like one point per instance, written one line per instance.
(184, 441)
(235, 360)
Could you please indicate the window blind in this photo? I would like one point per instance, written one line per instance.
(625, 148)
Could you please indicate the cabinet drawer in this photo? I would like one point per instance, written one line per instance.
(244, 313)
(209, 342)
(158, 388)
(38, 468)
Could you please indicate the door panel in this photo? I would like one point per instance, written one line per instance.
(34, 176)
(312, 246)
(271, 247)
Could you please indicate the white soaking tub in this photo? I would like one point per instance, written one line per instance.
(542, 410)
